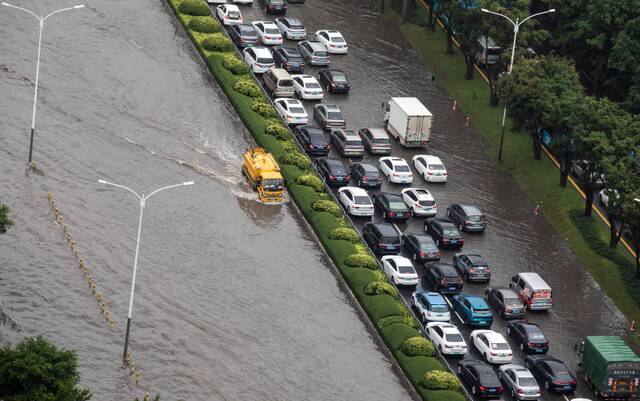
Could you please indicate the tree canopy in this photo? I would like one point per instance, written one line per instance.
(5, 221)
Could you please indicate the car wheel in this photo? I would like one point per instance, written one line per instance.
(438, 243)
(473, 390)
(508, 330)
(460, 227)
(486, 357)
(384, 215)
(459, 370)
(522, 347)
(424, 175)
(424, 319)
(393, 280)
(448, 213)
(415, 257)
(350, 211)
(546, 385)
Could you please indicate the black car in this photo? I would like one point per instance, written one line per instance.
(528, 336)
(421, 247)
(334, 81)
(288, 58)
(382, 238)
(243, 35)
(391, 206)
(333, 172)
(467, 217)
(472, 267)
(506, 302)
(313, 140)
(275, 6)
(444, 233)
(366, 175)
(552, 373)
(480, 379)
(442, 277)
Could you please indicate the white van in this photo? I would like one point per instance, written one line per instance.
(488, 52)
(534, 292)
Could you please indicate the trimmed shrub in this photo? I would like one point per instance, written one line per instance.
(280, 132)
(296, 159)
(312, 181)
(362, 249)
(380, 306)
(289, 146)
(418, 346)
(327, 206)
(204, 25)
(265, 109)
(194, 7)
(396, 334)
(440, 380)
(247, 87)
(361, 260)
(380, 287)
(217, 42)
(232, 63)
(417, 366)
(408, 320)
(344, 234)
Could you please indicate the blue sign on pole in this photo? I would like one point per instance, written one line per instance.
(546, 137)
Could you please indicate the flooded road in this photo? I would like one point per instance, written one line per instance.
(381, 64)
(221, 311)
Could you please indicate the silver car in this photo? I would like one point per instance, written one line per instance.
(329, 116)
(519, 381)
(347, 142)
(376, 141)
(314, 53)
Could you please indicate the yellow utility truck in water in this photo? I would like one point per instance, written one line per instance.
(263, 172)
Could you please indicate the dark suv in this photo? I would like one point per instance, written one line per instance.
(288, 58)
(333, 171)
(442, 277)
(467, 217)
(391, 206)
(472, 267)
(444, 233)
(382, 238)
(313, 140)
(366, 175)
(421, 247)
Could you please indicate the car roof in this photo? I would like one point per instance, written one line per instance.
(475, 258)
(445, 268)
(400, 260)
(434, 297)
(421, 237)
(247, 27)
(475, 300)
(385, 229)
(494, 337)
(261, 51)
(391, 197)
(470, 209)
(316, 45)
(328, 106)
(332, 72)
(431, 159)
(231, 7)
(394, 159)
(369, 168)
(290, 101)
(357, 191)
(506, 292)
(423, 194)
(291, 20)
(304, 77)
(269, 24)
(290, 51)
(350, 134)
(534, 280)
(378, 133)
(482, 367)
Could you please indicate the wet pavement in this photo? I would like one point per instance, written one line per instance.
(381, 65)
(221, 311)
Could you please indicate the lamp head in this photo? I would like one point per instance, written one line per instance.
(187, 183)
(102, 181)
(553, 10)
(79, 6)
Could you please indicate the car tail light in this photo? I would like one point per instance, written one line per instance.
(312, 147)
(531, 344)
(397, 245)
(444, 173)
(381, 244)
(507, 309)
(483, 388)
(332, 45)
(439, 254)
(487, 270)
(267, 37)
(422, 254)
(472, 270)
(365, 178)
(332, 177)
(287, 64)
(333, 85)
(392, 214)
(494, 354)
(429, 173)
(445, 240)
(500, 389)
(520, 391)
(442, 281)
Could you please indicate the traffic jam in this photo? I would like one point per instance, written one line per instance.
(491, 332)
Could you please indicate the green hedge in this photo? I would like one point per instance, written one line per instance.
(296, 159)
(312, 181)
(380, 287)
(282, 134)
(327, 206)
(247, 87)
(418, 346)
(396, 334)
(217, 42)
(408, 320)
(204, 24)
(345, 234)
(195, 7)
(361, 260)
(265, 109)
(234, 64)
(441, 380)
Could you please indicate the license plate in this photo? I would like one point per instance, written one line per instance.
(438, 174)
(296, 65)
(452, 288)
(566, 387)
(492, 390)
(502, 355)
(454, 241)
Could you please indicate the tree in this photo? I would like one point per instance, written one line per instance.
(469, 22)
(37, 370)
(5, 221)
(632, 216)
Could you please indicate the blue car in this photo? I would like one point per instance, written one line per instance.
(473, 310)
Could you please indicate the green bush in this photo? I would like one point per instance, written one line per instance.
(234, 64)
(380, 287)
(289, 146)
(312, 181)
(396, 334)
(204, 25)
(247, 87)
(380, 306)
(327, 206)
(344, 234)
(441, 380)
(408, 320)
(194, 7)
(417, 366)
(361, 260)
(359, 277)
(296, 159)
(217, 42)
(418, 346)
(280, 132)
(265, 109)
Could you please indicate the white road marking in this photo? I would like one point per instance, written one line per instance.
(565, 397)
(397, 229)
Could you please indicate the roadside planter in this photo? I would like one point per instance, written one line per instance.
(391, 317)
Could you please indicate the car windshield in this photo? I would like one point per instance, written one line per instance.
(402, 169)
(249, 32)
(285, 82)
(272, 184)
(439, 308)
(450, 231)
(397, 205)
(312, 85)
(272, 31)
(406, 269)
(436, 167)
(476, 218)
(234, 14)
(536, 335)
(527, 382)
(337, 77)
(337, 39)
(264, 60)
(381, 141)
(354, 143)
(297, 110)
(512, 302)
(334, 115)
(277, 1)
(320, 53)
(500, 346)
(426, 203)
(362, 200)
(428, 246)
(454, 338)
(317, 137)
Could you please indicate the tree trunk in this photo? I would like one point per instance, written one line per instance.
(589, 201)
(470, 67)
(405, 10)
(431, 23)
(537, 144)
(613, 232)
(638, 260)
(449, 39)
(494, 101)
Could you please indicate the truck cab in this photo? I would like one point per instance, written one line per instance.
(263, 172)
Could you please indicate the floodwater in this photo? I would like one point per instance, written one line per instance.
(381, 64)
(234, 299)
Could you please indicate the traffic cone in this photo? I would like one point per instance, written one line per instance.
(633, 326)
(536, 211)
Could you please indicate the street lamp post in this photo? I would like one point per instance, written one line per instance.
(516, 28)
(143, 198)
(41, 20)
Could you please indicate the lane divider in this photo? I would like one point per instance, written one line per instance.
(104, 306)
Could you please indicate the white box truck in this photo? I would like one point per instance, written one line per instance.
(408, 121)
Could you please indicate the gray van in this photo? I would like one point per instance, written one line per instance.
(279, 82)
(488, 51)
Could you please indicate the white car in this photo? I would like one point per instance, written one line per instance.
(291, 28)
(307, 87)
(242, 1)
(395, 169)
(292, 111)
(400, 270)
(431, 306)
(229, 14)
(420, 201)
(356, 200)
(259, 59)
(268, 32)
(519, 382)
(430, 168)
(333, 41)
(492, 346)
(447, 338)
(216, 1)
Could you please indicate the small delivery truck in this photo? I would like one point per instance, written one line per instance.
(408, 121)
(610, 367)
(262, 170)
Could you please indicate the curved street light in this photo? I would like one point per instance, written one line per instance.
(516, 29)
(41, 21)
(143, 198)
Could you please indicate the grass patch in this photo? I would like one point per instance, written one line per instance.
(396, 334)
